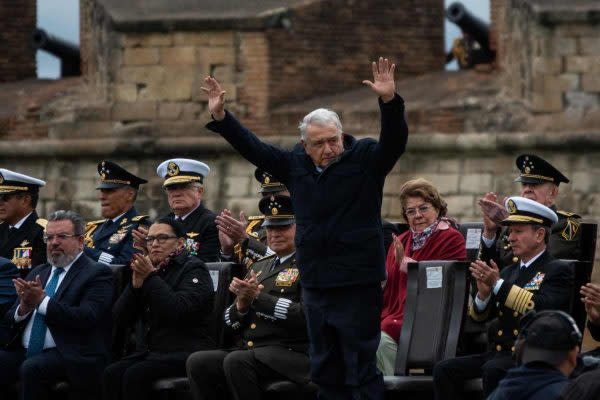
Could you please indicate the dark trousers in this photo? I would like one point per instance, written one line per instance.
(237, 372)
(344, 332)
(133, 377)
(34, 373)
(450, 375)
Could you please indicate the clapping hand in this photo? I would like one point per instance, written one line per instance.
(590, 296)
(383, 83)
(30, 294)
(216, 97)
(485, 276)
(231, 231)
(142, 267)
(493, 213)
(246, 291)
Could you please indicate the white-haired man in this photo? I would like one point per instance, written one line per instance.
(336, 186)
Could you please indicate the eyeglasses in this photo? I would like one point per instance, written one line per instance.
(422, 209)
(161, 239)
(59, 236)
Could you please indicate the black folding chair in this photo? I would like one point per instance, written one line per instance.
(436, 300)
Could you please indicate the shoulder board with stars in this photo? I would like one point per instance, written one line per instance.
(256, 217)
(568, 214)
(139, 218)
(42, 222)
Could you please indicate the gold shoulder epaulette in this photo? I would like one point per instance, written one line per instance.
(42, 222)
(139, 217)
(96, 222)
(256, 217)
(568, 214)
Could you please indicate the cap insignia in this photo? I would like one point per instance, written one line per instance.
(274, 211)
(267, 179)
(512, 207)
(172, 169)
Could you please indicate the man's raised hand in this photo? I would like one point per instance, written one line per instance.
(216, 97)
(383, 79)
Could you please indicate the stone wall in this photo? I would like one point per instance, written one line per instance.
(463, 167)
(551, 60)
(18, 21)
(332, 41)
(156, 76)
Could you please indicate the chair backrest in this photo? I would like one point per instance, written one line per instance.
(472, 232)
(436, 301)
(583, 275)
(589, 233)
(222, 273)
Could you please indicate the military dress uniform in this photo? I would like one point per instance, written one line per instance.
(565, 235)
(544, 284)
(255, 246)
(273, 340)
(110, 241)
(23, 245)
(202, 238)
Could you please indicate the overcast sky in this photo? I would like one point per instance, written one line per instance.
(61, 18)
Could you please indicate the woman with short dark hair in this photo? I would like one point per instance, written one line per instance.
(172, 292)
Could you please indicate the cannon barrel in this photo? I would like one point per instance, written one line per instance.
(470, 24)
(67, 52)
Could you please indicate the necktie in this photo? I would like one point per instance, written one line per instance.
(38, 328)
(275, 265)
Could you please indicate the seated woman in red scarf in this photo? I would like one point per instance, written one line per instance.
(431, 236)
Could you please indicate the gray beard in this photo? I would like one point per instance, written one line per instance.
(62, 260)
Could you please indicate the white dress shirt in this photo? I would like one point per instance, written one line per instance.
(42, 308)
(18, 224)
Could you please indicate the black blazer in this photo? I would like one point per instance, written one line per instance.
(176, 304)
(28, 237)
(202, 234)
(78, 317)
(339, 236)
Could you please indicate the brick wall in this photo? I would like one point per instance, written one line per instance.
(331, 42)
(18, 21)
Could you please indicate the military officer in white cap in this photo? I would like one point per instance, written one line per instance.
(536, 282)
(21, 230)
(540, 181)
(184, 184)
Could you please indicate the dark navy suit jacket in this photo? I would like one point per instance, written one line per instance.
(339, 237)
(79, 318)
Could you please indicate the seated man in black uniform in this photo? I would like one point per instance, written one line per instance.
(246, 243)
(268, 316)
(537, 282)
(21, 230)
(539, 181)
(110, 240)
(184, 184)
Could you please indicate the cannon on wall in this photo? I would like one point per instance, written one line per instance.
(67, 52)
(474, 46)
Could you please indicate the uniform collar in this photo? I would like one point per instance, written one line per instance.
(532, 260)
(21, 221)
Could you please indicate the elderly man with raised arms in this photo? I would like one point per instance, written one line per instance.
(336, 186)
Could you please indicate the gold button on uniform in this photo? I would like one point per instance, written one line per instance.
(515, 259)
(250, 343)
(282, 290)
(512, 349)
(500, 332)
(516, 332)
(515, 314)
(498, 348)
(253, 326)
(500, 313)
